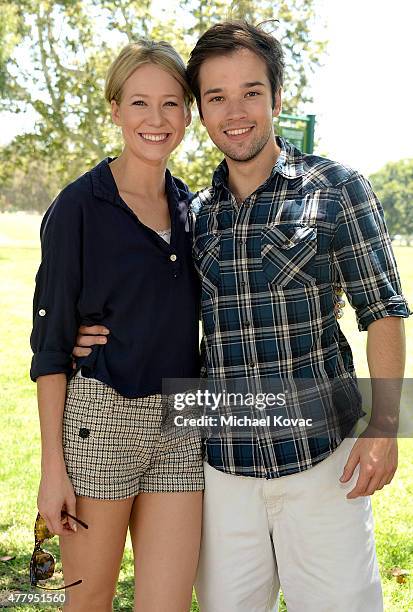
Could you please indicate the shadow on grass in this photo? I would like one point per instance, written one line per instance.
(14, 574)
(124, 594)
(15, 578)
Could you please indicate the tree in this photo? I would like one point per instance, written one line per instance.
(55, 55)
(10, 36)
(393, 185)
(62, 79)
(30, 190)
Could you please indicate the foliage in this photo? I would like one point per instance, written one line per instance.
(30, 190)
(393, 185)
(54, 56)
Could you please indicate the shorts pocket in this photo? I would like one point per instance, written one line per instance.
(88, 411)
(288, 253)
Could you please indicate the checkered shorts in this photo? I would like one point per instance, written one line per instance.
(114, 447)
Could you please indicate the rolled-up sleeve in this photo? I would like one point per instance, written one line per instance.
(363, 256)
(58, 286)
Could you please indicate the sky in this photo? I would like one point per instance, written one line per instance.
(363, 94)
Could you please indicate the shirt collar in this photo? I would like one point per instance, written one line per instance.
(104, 186)
(290, 164)
(103, 183)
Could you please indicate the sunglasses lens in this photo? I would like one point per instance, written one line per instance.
(41, 530)
(42, 565)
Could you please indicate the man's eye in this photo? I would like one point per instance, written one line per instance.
(252, 94)
(216, 99)
(138, 103)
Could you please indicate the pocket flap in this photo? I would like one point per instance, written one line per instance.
(288, 235)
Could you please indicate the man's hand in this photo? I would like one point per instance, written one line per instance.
(378, 463)
(87, 337)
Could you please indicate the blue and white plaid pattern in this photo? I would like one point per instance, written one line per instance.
(269, 269)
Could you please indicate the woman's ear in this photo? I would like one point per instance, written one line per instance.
(114, 106)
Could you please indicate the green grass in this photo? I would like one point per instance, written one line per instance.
(20, 442)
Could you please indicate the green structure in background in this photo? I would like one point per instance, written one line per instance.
(297, 130)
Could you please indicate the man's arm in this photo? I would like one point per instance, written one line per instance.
(89, 336)
(376, 450)
(366, 267)
(386, 356)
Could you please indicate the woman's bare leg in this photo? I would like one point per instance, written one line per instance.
(165, 530)
(94, 555)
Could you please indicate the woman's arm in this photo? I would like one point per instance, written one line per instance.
(58, 286)
(55, 490)
(55, 321)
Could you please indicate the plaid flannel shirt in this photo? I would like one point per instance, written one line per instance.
(269, 268)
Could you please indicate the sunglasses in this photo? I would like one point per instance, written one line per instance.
(42, 563)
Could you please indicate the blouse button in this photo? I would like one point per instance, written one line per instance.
(173, 257)
(42, 312)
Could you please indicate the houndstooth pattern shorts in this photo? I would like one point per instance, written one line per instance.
(114, 447)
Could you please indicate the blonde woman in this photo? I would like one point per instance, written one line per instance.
(115, 252)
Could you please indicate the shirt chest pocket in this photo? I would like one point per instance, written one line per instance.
(206, 252)
(288, 253)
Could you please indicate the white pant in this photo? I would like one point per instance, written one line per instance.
(299, 531)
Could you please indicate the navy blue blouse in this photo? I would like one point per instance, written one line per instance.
(101, 265)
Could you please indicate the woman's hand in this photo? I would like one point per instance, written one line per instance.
(56, 494)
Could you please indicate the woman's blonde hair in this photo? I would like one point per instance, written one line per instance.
(142, 52)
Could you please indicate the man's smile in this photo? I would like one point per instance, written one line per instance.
(238, 133)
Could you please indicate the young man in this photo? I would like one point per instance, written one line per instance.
(276, 232)
(274, 236)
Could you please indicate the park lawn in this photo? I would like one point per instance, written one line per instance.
(20, 442)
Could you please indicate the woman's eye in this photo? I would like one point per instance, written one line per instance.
(216, 99)
(171, 103)
(138, 103)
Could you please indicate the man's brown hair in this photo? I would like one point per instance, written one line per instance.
(230, 36)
